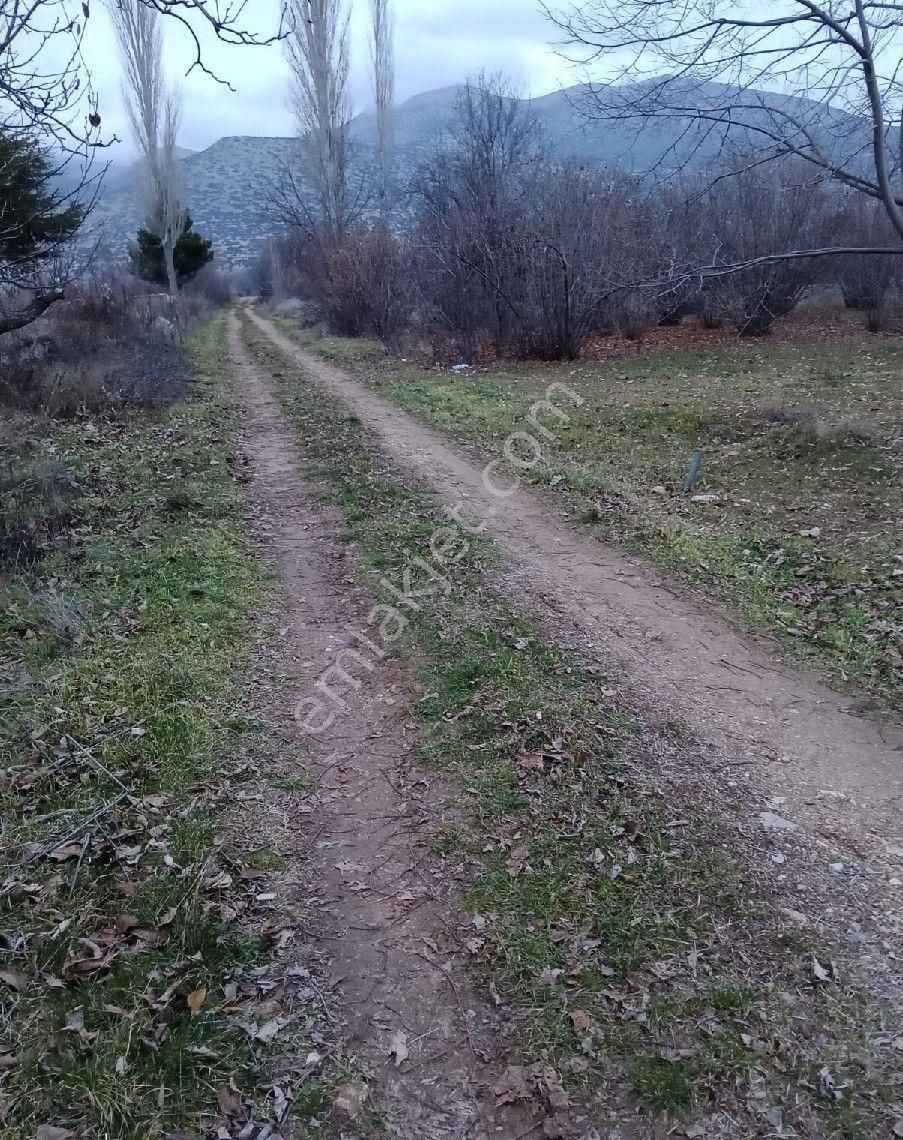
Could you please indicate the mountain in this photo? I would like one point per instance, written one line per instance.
(229, 186)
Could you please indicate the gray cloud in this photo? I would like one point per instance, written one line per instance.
(438, 43)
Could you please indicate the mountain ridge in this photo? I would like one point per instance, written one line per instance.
(229, 185)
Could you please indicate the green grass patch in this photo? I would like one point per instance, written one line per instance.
(340, 350)
(801, 449)
(124, 645)
(635, 947)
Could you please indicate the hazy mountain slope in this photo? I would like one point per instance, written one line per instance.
(229, 185)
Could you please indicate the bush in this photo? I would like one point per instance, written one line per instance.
(191, 254)
(37, 504)
(105, 347)
(366, 287)
(306, 312)
(211, 285)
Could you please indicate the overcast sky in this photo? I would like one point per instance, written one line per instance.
(437, 43)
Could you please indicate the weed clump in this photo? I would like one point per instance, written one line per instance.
(106, 348)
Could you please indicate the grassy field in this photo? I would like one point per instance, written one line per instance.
(647, 964)
(128, 1006)
(798, 531)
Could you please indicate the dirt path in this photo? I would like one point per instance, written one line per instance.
(681, 658)
(431, 1049)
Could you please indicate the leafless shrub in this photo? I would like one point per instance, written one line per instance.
(37, 504)
(306, 313)
(719, 69)
(806, 430)
(635, 316)
(471, 200)
(108, 346)
(583, 234)
(745, 219)
(210, 284)
(367, 285)
(867, 283)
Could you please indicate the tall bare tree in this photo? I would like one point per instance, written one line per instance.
(318, 55)
(383, 58)
(154, 117)
(45, 83)
(472, 197)
(48, 102)
(820, 80)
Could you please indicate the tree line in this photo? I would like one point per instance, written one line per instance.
(493, 242)
(491, 239)
(53, 146)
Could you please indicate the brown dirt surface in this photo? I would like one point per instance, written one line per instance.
(429, 1052)
(834, 767)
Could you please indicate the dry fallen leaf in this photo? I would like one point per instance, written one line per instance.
(581, 1021)
(270, 1031)
(511, 1086)
(229, 1100)
(17, 979)
(350, 1099)
(195, 1001)
(66, 851)
(398, 1047)
(517, 861)
(550, 1085)
(820, 972)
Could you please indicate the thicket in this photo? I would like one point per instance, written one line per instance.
(494, 247)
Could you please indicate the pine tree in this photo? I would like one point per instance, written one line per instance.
(192, 253)
(36, 222)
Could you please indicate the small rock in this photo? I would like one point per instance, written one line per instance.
(775, 1117)
(771, 821)
(837, 867)
(705, 498)
(350, 1099)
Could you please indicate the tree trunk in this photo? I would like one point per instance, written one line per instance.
(30, 313)
(169, 259)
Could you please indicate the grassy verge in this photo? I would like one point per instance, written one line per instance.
(643, 958)
(802, 477)
(128, 1007)
(342, 350)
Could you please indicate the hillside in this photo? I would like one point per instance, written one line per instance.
(230, 184)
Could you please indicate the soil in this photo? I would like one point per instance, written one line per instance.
(428, 1050)
(828, 763)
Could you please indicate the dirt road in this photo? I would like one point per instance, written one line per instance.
(679, 657)
(430, 1047)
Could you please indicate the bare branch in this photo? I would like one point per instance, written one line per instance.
(383, 59)
(820, 81)
(318, 54)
